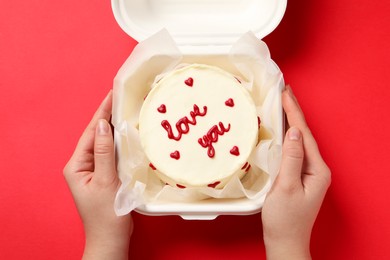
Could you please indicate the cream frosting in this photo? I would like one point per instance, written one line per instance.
(198, 126)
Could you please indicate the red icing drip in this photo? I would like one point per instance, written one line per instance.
(162, 109)
(258, 121)
(247, 169)
(152, 166)
(180, 186)
(229, 102)
(175, 155)
(212, 137)
(182, 126)
(235, 151)
(245, 165)
(213, 185)
(189, 82)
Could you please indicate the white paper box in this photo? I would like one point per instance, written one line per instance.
(205, 31)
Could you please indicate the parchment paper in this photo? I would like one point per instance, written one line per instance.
(249, 59)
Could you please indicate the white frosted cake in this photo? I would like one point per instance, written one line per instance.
(198, 126)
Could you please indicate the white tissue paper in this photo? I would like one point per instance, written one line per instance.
(249, 59)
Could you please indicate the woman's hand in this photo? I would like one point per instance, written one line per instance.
(292, 205)
(92, 178)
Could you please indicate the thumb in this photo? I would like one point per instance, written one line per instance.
(292, 159)
(104, 153)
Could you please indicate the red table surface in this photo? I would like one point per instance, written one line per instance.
(57, 62)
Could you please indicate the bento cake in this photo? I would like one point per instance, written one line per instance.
(198, 126)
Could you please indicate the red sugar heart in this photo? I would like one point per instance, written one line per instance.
(189, 82)
(213, 185)
(235, 151)
(162, 109)
(175, 155)
(152, 166)
(229, 102)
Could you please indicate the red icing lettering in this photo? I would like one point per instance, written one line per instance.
(239, 81)
(247, 169)
(213, 185)
(229, 102)
(152, 166)
(162, 109)
(258, 121)
(180, 186)
(235, 151)
(182, 126)
(189, 82)
(175, 155)
(212, 137)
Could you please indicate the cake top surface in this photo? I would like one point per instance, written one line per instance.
(198, 125)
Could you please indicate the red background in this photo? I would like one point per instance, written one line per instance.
(57, 62)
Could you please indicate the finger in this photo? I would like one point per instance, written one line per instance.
(82, 156)
(104, 154)
(292, 159)
(295, 117)
(314, 164)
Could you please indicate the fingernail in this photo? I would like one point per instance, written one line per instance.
(102, 127)
(294, 134)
